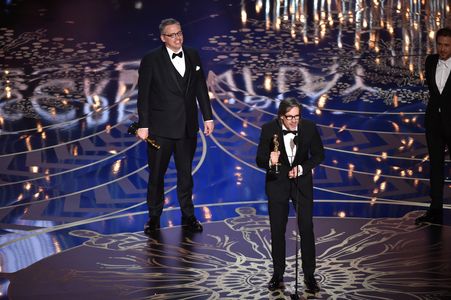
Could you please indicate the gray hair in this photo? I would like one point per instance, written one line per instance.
(167, 22)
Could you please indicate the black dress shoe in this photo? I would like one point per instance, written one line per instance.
(192, 224)
(151, 226)
(275, 283)
(311, 284)
(430, 217)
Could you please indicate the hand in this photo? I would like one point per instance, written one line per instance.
(142, 133)
(274, 157)
(293, 172)
(208, 127)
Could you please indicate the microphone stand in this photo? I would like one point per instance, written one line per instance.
(295, 295)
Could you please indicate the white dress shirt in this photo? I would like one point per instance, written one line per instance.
(178, 62)
(290, 148)
(442, 73)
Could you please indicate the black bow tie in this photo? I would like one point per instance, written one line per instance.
(180, 54)
(289, 131)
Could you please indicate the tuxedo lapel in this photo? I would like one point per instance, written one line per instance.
(433, 69)
(188, 70)
(298, 141)
(280, 138)
(170, 69)
(447, 85)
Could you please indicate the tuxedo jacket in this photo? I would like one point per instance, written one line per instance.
(309, 154)
(438, 110)
(166, 101)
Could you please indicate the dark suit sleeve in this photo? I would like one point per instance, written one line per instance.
(427, 71)
(264, 148)
(202, 92)
(316, 152)
(144, 83)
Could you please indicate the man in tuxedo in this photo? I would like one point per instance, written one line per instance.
(171, 79)
(437, 121)
(300, 150)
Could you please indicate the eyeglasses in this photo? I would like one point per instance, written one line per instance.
(174, 35)
(289, 118)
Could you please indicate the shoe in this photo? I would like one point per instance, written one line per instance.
(275, 283)
(311, 284)
(192, 224)
(430, 217)
(151, 226)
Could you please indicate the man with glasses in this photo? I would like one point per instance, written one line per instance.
(300, 149)
(171, 84)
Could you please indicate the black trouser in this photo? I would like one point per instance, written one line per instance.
(278, 217)
(183, 150)
(437, 141)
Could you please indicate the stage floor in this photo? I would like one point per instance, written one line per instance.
(73, 181)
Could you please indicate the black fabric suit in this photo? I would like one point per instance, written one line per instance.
(280, 189)
(438, 130)
(167, 106)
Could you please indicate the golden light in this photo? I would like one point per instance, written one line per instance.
(378, 175)
(267, 83)
(350, 169)
(75, 150)
(258, 6)
(373, 200)
(8, 92)
(207, 213)
(57, 245)
(341, 214)
(28, 143)
(395, 101)
(243, 16)
(322, 101)
(34, 169)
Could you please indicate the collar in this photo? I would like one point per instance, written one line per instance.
(284, 128)
(170, 51)
(445, 63)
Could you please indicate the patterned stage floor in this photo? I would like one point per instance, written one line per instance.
(73, 181)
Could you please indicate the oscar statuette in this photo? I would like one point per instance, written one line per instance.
(132, 129)
(274, 169)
